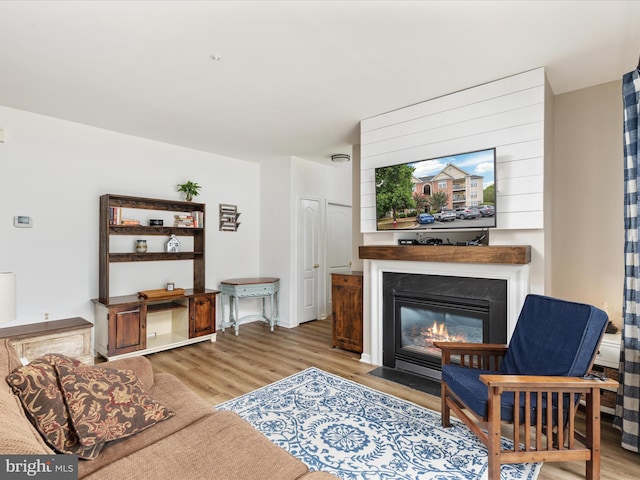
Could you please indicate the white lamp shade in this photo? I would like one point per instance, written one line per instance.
(7, 296)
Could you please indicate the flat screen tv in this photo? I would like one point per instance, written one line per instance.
(452, 192)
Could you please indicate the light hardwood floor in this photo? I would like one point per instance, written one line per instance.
(234, 365)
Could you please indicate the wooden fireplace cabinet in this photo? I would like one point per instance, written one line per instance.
(346, 306)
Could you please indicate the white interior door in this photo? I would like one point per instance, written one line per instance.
(338, 243)
(309, 260)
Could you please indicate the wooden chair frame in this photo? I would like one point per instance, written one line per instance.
(529, 436)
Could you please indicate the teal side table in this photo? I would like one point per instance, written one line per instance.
(258, 287)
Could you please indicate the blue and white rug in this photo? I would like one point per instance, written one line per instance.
(355, 432)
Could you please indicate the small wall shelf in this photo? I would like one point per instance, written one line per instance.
(229, 218)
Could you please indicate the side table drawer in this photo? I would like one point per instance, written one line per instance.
(609, 351)
(607, 363)
(347, 280)
(258, 290)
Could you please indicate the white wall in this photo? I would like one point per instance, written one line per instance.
(283, 182)
(588, 235)
(357, 236)
(508, 114)
(55, 170)
(276, 231)
(330, 183)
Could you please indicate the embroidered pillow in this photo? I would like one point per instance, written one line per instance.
(106, 404)
(36, 385)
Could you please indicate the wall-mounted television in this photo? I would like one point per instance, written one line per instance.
(452, 192)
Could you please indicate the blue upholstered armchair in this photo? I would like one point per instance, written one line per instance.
(534, 385)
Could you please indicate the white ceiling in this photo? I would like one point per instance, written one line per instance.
(296, 77)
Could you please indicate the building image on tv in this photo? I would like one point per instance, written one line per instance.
(461, 187)
(456, 191)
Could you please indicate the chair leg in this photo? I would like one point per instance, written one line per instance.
(493, 436)
(592, 411)
(445, 411)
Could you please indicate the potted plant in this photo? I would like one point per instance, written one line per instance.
(189, 189)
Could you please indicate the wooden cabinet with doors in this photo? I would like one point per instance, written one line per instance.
(136, 325)
(131, 325)
(346, 300)
(127, 328)
(202, 315)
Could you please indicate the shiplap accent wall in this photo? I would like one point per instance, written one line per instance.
(507, 114)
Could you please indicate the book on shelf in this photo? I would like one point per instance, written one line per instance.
(198, 219)
(130, 223)
(115, 215)
(183, 221)
(193, 220)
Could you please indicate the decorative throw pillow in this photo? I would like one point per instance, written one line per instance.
(36, 385)
(106, 404)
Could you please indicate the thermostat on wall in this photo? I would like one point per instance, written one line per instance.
(22, 221)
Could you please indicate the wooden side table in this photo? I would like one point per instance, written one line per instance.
(258, 287)
(607, 362)
(70, 336)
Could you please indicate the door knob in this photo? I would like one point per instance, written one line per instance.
(315, 265)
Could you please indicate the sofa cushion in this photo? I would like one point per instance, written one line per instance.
(172, 393)
(141, 365)
(18, 434)
(220, 446)
(107, 404)
(36, 385)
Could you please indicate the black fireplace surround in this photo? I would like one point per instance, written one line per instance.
(480, 303)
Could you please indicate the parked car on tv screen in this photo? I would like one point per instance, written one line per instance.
(445, 216)
(425, 218)
(487, 210)
(467, 212)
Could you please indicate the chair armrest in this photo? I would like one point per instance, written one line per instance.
(533, 382)
(474, 355)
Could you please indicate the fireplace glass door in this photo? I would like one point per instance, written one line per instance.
(422, 321)
(419, 328)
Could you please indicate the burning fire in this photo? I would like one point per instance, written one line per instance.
(436, 333)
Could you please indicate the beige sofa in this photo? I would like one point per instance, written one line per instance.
(198, 442)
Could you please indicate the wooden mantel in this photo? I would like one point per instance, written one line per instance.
(498, 254)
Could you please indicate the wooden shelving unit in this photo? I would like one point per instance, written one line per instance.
(107, 230)
(132, 325)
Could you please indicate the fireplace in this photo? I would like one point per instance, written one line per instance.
(418, 310)
(507, 263)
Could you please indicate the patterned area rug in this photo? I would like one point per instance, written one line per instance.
(355, 432)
